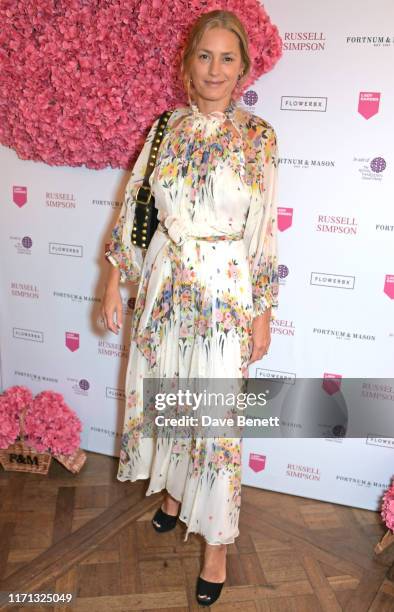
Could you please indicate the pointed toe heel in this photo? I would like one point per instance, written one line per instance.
(163, 521)
(208, 592)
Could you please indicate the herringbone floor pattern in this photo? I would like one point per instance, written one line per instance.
(90, 535)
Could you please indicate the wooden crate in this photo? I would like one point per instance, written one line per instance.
(19, 457)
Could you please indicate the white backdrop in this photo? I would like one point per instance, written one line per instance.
(330, 99)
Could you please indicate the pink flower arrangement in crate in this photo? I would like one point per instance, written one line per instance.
(387, 514)
(387, 511)
(45, 424)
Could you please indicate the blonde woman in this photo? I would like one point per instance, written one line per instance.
(207, 283)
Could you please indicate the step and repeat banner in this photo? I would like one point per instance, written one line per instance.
(330, 100)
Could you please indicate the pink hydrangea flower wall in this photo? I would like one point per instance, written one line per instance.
(81, 81)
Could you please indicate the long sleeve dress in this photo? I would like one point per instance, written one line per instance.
(210, 268)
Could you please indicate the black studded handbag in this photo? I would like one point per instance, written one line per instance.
(145, 215)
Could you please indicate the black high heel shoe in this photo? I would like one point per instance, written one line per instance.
(163, 521)
(208, 592)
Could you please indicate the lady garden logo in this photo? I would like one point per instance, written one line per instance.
(331, 383)
(72, 341)
(257, 462)
(285, 218)
(19, 195)
(389, 286)
(368, 104)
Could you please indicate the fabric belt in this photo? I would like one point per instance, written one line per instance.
(213, 238)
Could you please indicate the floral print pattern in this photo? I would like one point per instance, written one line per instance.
(216, 176)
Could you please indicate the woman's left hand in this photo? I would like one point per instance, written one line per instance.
(261, 336)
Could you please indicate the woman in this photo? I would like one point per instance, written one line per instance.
(207, 282)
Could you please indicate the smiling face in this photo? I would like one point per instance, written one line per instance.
(215, 65)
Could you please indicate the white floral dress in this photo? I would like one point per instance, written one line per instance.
(211, 267)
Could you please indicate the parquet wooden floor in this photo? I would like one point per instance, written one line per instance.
(90, 535)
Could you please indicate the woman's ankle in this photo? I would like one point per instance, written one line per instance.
(214, 568)
(215, 547)
(170, 505)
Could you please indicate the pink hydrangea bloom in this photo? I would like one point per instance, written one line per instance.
(81, 82)
(18, 398)
(12, 402)
(51, 426)
(387, 511)
(9, 422)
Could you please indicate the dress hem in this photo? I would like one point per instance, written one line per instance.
(184, 520)
(180, 518)
(125, 479)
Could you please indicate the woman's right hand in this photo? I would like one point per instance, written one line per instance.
(112, 303)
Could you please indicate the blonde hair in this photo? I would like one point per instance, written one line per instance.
(207, 21)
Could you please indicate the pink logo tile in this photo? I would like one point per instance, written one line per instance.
(72, 341)
(285, 218)
(368, 104)
(389, 285)
(257, 462)
(19, 195)
(331, 383)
